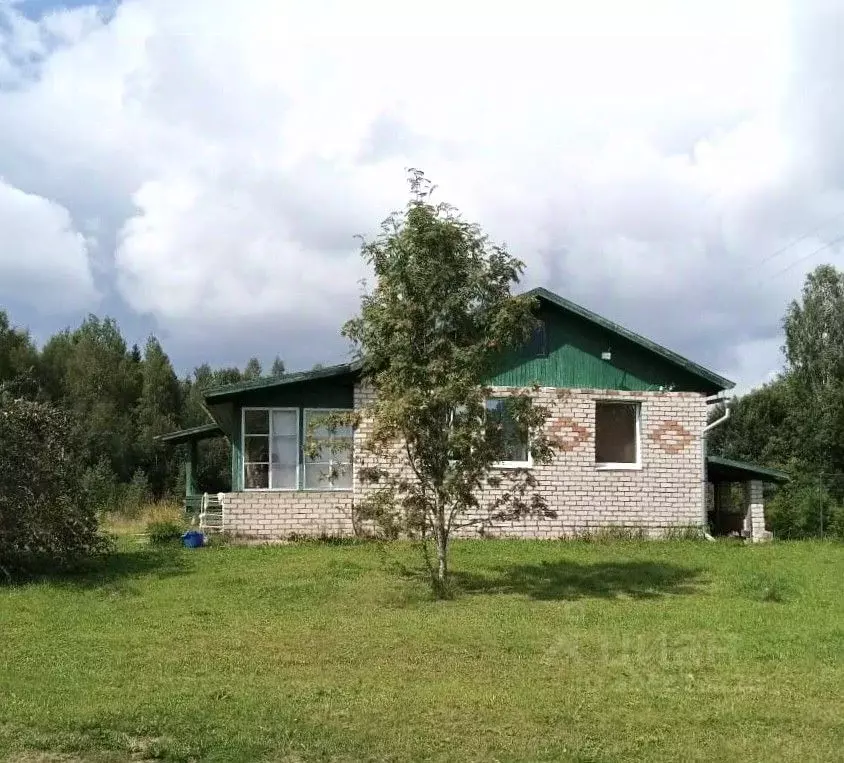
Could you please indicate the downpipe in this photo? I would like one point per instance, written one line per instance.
(727, 402)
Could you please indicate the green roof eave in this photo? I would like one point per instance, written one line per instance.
(202, 432)
(736, 471)
(219, 394)
(710, 377)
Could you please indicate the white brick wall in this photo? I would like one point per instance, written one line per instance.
(667, 492)
(278, 514)
(754, 521)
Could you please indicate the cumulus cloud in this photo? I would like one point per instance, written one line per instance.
(43, 258)
(646, 161)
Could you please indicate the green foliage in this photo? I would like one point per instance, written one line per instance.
(796, 422)
(135, 495)
(805, 508)
(252, 370)
(277, 367)
(430, 333)
(44, 519)
(99, 486)
(164, 532)
(158, 411)
(18, 357)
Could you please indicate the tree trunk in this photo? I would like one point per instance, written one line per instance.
(441, 535)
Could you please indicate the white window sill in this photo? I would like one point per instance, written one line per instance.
(270, 489)
(513, 465)
(618, 467)
(297, 490)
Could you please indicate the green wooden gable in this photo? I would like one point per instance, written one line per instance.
(584, 350)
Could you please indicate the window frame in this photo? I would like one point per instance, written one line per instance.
(528, 464)
(269, 410)
(610, 466)
(304, 480)
(537, 346)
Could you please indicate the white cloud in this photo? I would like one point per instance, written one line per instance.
(43, 259)
(641, 158)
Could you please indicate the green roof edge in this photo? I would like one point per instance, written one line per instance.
(201, 432)
(669, 355)
(277, 381)
(775, 474)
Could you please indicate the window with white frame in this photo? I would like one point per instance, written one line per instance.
(617, 438)
(328, 465)
(515, 448)
(270, 448)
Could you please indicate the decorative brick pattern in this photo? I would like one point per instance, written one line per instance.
(671, 436)
(568, 434)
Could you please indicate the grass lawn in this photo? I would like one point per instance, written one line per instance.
(551, 651)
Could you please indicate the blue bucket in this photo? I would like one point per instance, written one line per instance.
(193, 539)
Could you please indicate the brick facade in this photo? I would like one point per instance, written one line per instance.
(280, 514)
(666, 492)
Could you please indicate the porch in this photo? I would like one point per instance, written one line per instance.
(735, 497)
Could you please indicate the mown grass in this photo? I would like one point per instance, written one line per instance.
(550, 651)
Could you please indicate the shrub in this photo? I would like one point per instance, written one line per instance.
(45, 520)
(804, 508)
(99, 487)
(163, 532)
(134, 496)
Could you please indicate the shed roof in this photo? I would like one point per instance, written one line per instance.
(710, 377)
(268, 382)
(720, 469)
(202, 432)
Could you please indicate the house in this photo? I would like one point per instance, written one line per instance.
(629, 415)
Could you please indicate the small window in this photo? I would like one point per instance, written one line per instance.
(617, 435)
(538, 345)
(515, 451)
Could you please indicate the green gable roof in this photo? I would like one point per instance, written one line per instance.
(709, 379)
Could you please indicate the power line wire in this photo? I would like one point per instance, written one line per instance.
(797, 240)
(804, 258)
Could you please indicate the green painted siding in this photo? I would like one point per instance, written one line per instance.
(574, 360)
(325, 393)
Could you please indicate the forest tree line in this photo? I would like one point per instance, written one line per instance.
(121, 397)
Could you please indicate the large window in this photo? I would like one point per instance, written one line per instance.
(617, 435)
(515, 450)
(273, 453)
(270, 448)
(330, 467)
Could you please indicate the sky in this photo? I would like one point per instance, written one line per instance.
(200, 169)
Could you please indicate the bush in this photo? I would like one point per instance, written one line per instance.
(804, 508)
(99, 486)
(134, 496)
(45, 520)
(163, 532)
